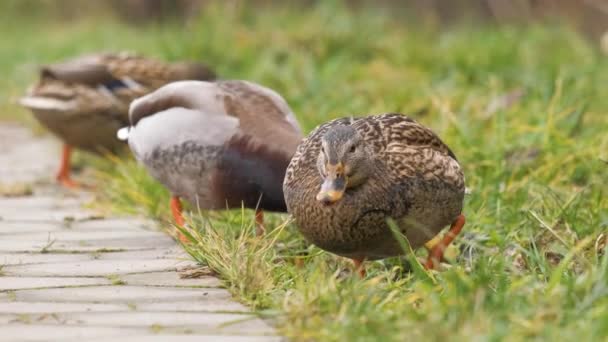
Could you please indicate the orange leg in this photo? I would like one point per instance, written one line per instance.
(436, 253)
(176, 209)
(259, 222)
(63, 176)
(359, 267)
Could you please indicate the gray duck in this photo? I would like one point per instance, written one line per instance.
(352, 174)
(219, 145)
(84, 101)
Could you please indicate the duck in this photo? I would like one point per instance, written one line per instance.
(85, 100)
(218, 145)
(349, 176)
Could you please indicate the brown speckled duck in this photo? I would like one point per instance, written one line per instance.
(352, 174)
(218, 145)
(84, 101)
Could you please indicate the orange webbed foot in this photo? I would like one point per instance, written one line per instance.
(176, 210)
(260, 230)
(436, 253)
(63, 175)
(68, 182)
(359, 267)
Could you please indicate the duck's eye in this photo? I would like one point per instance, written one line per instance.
(353, 149)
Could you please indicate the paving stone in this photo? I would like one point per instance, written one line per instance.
(17, 151)
(55, 307)
(10, 228)
(92, 268)
(44, 203)
(88, 226)
(211, 305)
(124, 244)
(119, 294)
(46, 215)
(58, 257)
(169, 279)
(120, 224)
(201, 321)
(20, 283)
(175, 252)
(70, 235)
(41, 332)
(7, 259)
(195, 338)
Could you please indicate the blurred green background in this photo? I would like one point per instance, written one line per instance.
(515, 88)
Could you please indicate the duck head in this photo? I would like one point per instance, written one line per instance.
(343, 163)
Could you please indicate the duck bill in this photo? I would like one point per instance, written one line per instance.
(332, 190)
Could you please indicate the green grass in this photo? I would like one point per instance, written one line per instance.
(533, 263)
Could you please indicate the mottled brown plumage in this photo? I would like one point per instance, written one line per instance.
(351, 174)
(84, 101)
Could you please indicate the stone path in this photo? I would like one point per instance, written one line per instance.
(67, 274)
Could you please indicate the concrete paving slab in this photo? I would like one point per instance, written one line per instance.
(86, 246)
(56, 307)
(169, 279)
(71, 235)
(209, 305)
(38, 203)
(195, 338)
(21, 283)
(10, 228)
(120, 294)
(175, 252)
(61, 215)
(93, 268)
(64, 267)
(118, 223)
(7, 259)
(209, 322)
(41, 332)
(88, 226)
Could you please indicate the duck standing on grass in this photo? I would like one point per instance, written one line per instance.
(84, 101)
(350, 175)
(219, 145)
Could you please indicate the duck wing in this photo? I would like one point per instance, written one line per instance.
(409, 149)
(263, 116)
